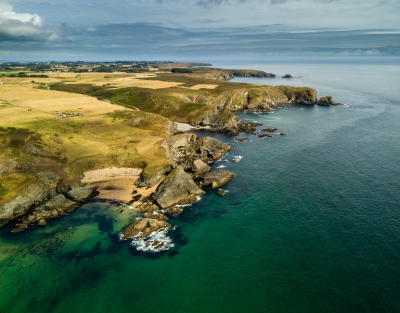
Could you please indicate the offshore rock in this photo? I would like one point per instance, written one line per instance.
(241, 139)
(287, 76)
(269, 129)
(177, 188)
(327, 100)
(217, 178)
(222, 192)
(143, 227)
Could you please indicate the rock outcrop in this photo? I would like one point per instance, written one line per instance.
(32, 196)
(56, 206)
(327, 100)
(251, 73)
(199, 169)
(47, 198)
(217, 178)
(81, 194)
(223, 120)
(150, 180)
(177, 188)
(211, 149)
(287, 76)
(143, 227)
(187, 151)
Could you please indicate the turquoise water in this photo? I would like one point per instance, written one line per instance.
(311, 222)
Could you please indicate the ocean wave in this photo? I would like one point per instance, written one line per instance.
(237, 158)
(198, 198)
(221, 166)
(156, 242)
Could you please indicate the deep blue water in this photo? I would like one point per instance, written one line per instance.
(311, 222)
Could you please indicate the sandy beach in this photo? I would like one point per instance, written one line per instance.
(117, 184)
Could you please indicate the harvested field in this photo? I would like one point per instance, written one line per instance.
(203, 86)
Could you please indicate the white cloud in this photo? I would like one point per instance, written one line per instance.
(23, 26)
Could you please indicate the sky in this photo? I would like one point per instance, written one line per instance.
(196, 30)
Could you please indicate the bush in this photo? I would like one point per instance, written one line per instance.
(181, 70)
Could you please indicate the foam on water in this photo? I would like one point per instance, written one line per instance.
(198, 198)
(237, 158)
(156, 242)
(221, 166)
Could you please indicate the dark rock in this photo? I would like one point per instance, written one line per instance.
(222, 192)
(217, 178)
(282, 134)
(287, 76)
(241, 139)
(269, 129)
(264, 135)
(327, 100)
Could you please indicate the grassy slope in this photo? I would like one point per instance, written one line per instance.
(37, 140)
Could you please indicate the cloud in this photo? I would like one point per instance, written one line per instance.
(23, 26)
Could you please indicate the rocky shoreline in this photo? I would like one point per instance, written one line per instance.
(189, 157)
(47, 198)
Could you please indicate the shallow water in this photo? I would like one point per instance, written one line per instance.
(311, 222)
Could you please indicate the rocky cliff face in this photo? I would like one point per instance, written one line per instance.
(184, 149)
(225, 75)
(223, 120)
(48, 197)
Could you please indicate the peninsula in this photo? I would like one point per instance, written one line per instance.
(73, 131)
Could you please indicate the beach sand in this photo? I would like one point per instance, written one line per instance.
(117, 184)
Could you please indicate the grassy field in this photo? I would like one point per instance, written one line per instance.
(33, 138)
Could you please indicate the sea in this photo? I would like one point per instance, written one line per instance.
(310, 223)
